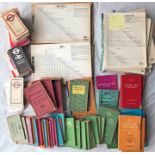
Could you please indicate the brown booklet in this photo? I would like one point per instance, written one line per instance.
(14, 24)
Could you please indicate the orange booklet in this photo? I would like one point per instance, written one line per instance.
(143, 134)
(92, 103)
(129, 133)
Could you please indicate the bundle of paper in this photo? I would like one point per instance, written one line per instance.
(131, 130)
(18, 32)
(127, 43)
(83, 94)
(45, 132)
(45, 96)
(18, 62)
(131, 90)
(14, 92)
(68, 60)
(63, 22)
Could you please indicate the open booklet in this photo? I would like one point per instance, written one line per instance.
(67, 60)
(61, 22)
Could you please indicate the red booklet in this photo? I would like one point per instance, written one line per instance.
(131, 91)
(42, 129)
(32, 128)
(58, 95)
(55, 132)
(40, 133)
(47, 83)
(37, 96)
(48, 133)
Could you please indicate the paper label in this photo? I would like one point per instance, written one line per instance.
(77, 89)
(116, 21)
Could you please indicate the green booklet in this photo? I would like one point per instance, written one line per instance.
(108, 98)
(102, 129)
(25, 129)
(111, 118)
(78, 133)
(78, 98)
(90, 135)
(70, 132)
(95, 127)
(114, 143)
(88, 138)
(16, 129)
(83, 135)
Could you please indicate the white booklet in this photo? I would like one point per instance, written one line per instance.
(67, 60)
(14, 93)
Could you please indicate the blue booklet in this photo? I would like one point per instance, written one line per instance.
(134, 112)
(43, 121)
(35, 132)
(60, 130)
(108, 98)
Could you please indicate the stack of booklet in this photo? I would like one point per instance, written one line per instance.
(132, 130)
(57, 130)
(128, 45)
(45, 96)
(45, 132)
(61, 90)
(107, 104)
(18, 32)
(121, 106)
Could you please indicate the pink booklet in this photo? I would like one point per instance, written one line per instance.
(29, 129)
(106, 82)
(52, 136)
(55, 132)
